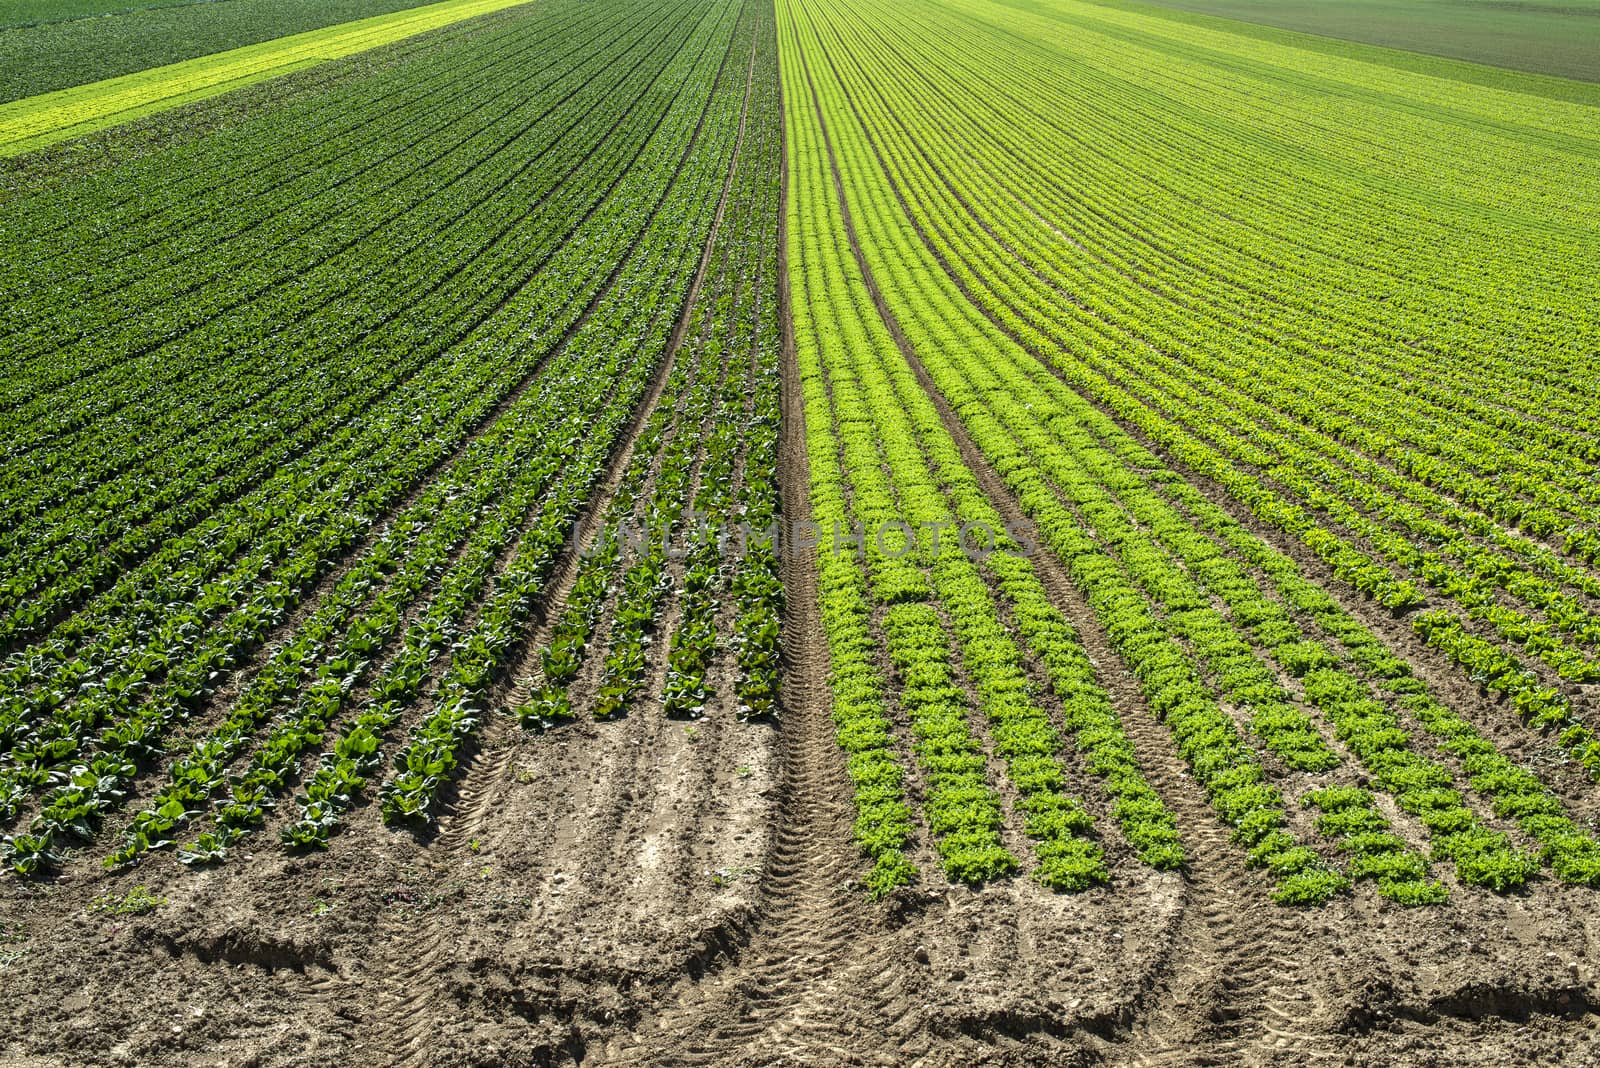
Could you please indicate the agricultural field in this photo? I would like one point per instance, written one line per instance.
(47, 45)
(1557, 37)
(756, 532)
(37, 121)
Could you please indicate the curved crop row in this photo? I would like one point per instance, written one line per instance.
(1035, 280)
(462, 568)
(973, 272)
(875, 443)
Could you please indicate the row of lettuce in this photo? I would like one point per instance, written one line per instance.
(1294, 718)
(49, 47)
(1197, 308)
(400, 561)
(935, 699)
(681, 571)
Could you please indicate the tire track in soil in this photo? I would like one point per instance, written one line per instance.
(783, 992)
(1226, 965)
(1225, 983)
(413, 1016)
(781, 998)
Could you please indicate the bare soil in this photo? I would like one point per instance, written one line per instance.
(631, 893)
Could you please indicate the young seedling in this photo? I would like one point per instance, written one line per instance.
(136, 902)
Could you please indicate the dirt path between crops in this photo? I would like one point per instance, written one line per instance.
(776, 996)
(1227, 949)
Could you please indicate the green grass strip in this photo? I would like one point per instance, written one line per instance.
(32, 123)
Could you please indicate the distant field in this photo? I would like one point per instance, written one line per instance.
(1559, 37)
(45, 46)
(51, 117)
(42, 12)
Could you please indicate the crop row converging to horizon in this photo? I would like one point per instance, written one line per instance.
(513, 379)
